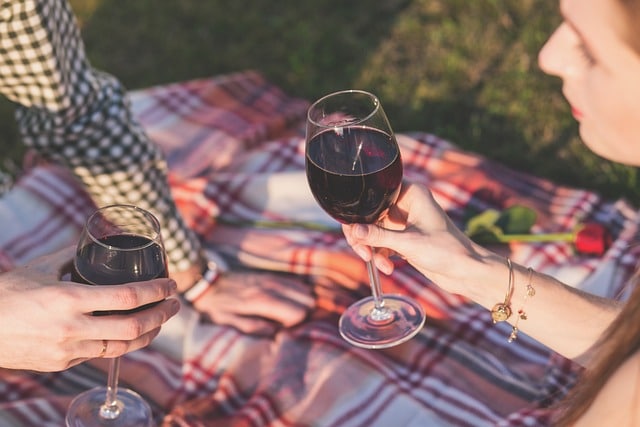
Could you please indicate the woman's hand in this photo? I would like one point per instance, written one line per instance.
(418, 230)
(47, 324)
(256, 303)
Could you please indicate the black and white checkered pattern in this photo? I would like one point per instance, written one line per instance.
(80, 117)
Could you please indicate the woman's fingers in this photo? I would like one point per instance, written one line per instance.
(383, 263)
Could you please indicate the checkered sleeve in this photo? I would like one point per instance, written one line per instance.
(78, 116)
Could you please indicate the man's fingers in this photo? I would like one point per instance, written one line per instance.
(247, 324)
(125, 326)
(131, 326)
(123, 297)
(108, 348)
(116, 348)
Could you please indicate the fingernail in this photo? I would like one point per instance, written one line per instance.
(173, 284)
(362, 252)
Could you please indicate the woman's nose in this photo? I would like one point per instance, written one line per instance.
(553, 55)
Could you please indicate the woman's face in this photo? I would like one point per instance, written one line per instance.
(600, 74)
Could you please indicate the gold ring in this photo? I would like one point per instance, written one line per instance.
(104, 348)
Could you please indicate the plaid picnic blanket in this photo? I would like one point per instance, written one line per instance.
(235, 148)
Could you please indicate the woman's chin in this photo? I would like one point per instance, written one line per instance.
(612, 152)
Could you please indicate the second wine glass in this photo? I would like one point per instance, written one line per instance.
(354, 170)
(119, 244)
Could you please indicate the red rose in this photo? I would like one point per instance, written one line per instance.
(592, 239)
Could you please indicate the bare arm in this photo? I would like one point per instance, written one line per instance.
(564, 319)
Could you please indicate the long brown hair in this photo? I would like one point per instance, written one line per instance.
(631, 9)
(619, 342)
(622, 339)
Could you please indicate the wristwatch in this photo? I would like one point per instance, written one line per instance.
(213, 269)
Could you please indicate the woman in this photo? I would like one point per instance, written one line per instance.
(596, 52)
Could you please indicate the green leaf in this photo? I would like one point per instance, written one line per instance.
(516, 219)
(483, 226)
(487, 235)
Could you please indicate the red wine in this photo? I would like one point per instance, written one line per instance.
(118, 259)
(136, 259)
(354, 173)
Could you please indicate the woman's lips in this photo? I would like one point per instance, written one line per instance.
(577, 114)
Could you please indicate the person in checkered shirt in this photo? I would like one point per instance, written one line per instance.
(79, 117)
(76, 116)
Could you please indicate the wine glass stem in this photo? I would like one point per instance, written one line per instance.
(111, 408)
(379, 311)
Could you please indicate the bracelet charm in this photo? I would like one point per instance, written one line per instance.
(502, 310)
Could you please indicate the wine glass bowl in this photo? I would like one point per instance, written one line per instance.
(354, 171)
(118, 244)
(354, 183)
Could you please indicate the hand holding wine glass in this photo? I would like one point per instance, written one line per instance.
(44, 316)
(354, 170)
(119, 244)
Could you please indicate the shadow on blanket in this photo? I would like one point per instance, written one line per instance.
(236, 154)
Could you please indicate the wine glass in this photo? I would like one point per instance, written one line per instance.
(118, 244)
(354, 170)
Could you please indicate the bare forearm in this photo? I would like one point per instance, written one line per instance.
(563, 318)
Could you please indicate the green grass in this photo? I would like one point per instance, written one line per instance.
(464, 70)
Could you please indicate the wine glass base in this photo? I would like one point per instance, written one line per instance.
(362, 325)
(84, 410)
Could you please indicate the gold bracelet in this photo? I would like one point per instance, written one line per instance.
(521, 313)
(502, 310)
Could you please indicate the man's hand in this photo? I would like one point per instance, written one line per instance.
(47, 324)
(257, 303)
